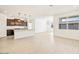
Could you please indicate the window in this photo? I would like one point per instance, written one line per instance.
(73, 26)
(71, 22)
(70, 19)
(62, 26)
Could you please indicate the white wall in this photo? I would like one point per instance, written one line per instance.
(2, 25)
(42, 24)
(72, 34)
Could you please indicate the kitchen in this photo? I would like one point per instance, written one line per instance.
(16, 27)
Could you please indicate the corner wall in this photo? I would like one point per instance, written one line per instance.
(2, 25)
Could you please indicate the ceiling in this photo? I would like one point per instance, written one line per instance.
(37, 10)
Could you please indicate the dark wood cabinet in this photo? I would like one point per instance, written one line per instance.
(16, 22)
(10, 32)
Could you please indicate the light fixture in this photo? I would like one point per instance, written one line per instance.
(21, 16)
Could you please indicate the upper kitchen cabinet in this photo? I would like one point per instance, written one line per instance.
(16, 22)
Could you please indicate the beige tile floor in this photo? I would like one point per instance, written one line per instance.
(42, 43)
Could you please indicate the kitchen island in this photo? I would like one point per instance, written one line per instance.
(22, 33)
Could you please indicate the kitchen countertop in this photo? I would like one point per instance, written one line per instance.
(20, 29)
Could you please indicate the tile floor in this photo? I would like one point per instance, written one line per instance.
(42, 43)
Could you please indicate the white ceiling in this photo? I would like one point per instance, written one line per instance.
(36, 9)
